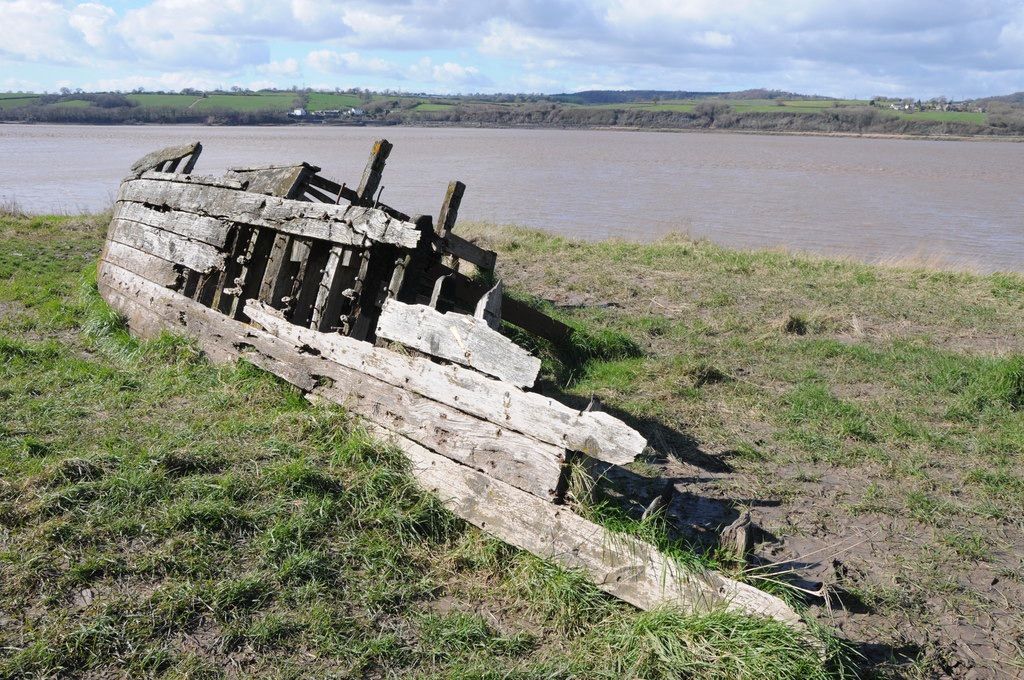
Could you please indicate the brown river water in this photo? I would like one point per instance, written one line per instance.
(948, 203)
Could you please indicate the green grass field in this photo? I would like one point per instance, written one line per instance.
(165, 517)
(276, 101)
(320, 101)
(10, 101)
(173, 101)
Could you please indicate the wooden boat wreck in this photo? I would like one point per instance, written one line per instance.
(359, 304)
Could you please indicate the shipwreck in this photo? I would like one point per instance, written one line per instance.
(360, 304)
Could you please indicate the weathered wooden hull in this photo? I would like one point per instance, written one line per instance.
(301, 288)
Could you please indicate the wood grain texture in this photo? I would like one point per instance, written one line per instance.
(345, 225)
(597, 434)
(196, 227)
(460, 338)
(201, 257)
(159, 271)
(170, 154)
(621, 565)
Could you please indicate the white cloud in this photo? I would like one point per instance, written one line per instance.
(829, 46)
(330, 61)
(448, 76)
(285, 68)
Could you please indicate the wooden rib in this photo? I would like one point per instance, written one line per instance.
(450, 208)
(344, 225)
(374, 170)
(251, 277)
(275, 276)
(312, 276)
(460, 338)
(597, 434)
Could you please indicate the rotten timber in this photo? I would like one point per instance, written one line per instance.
(466, 340)
(300, 275)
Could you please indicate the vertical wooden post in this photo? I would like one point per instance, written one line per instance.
(450, 208)
(374, 170)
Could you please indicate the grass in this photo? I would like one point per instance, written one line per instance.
(162, 516)
(319, 101)
(270, 101)
(173, 101)
(903, 387)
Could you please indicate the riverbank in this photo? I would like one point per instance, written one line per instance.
(163, 515)
(380, 125)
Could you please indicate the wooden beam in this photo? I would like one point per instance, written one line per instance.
(596, 434)
(345, 225)
(460, 338)
(284, 181)
(202, 257)
(619, 564)
(459, 247)
(374, 170)
(196, 227)
(450, 208)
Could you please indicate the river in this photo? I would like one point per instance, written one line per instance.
(956, 204)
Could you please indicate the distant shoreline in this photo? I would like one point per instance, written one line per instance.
(602, 128)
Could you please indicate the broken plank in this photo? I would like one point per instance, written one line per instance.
(596, 434)
(346, 225)
(196, 227)
(619, 564)
(201, 257)
(156, 159)
(159, 271)
(460, 338)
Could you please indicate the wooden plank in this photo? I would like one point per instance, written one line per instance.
(159, 271)
(345, 225)
(459, 247)
(285, 181)
(488, 308)
(460, 338)
(467, 291)
(450, 208)
(596, 434)
(202, 180)
(331, 301)
(519, 460)
(158, 158)
(201, 257)
(621, 565)
(274, 282)
(196, 227)
(374, 170)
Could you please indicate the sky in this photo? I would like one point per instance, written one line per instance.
(845, 48)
